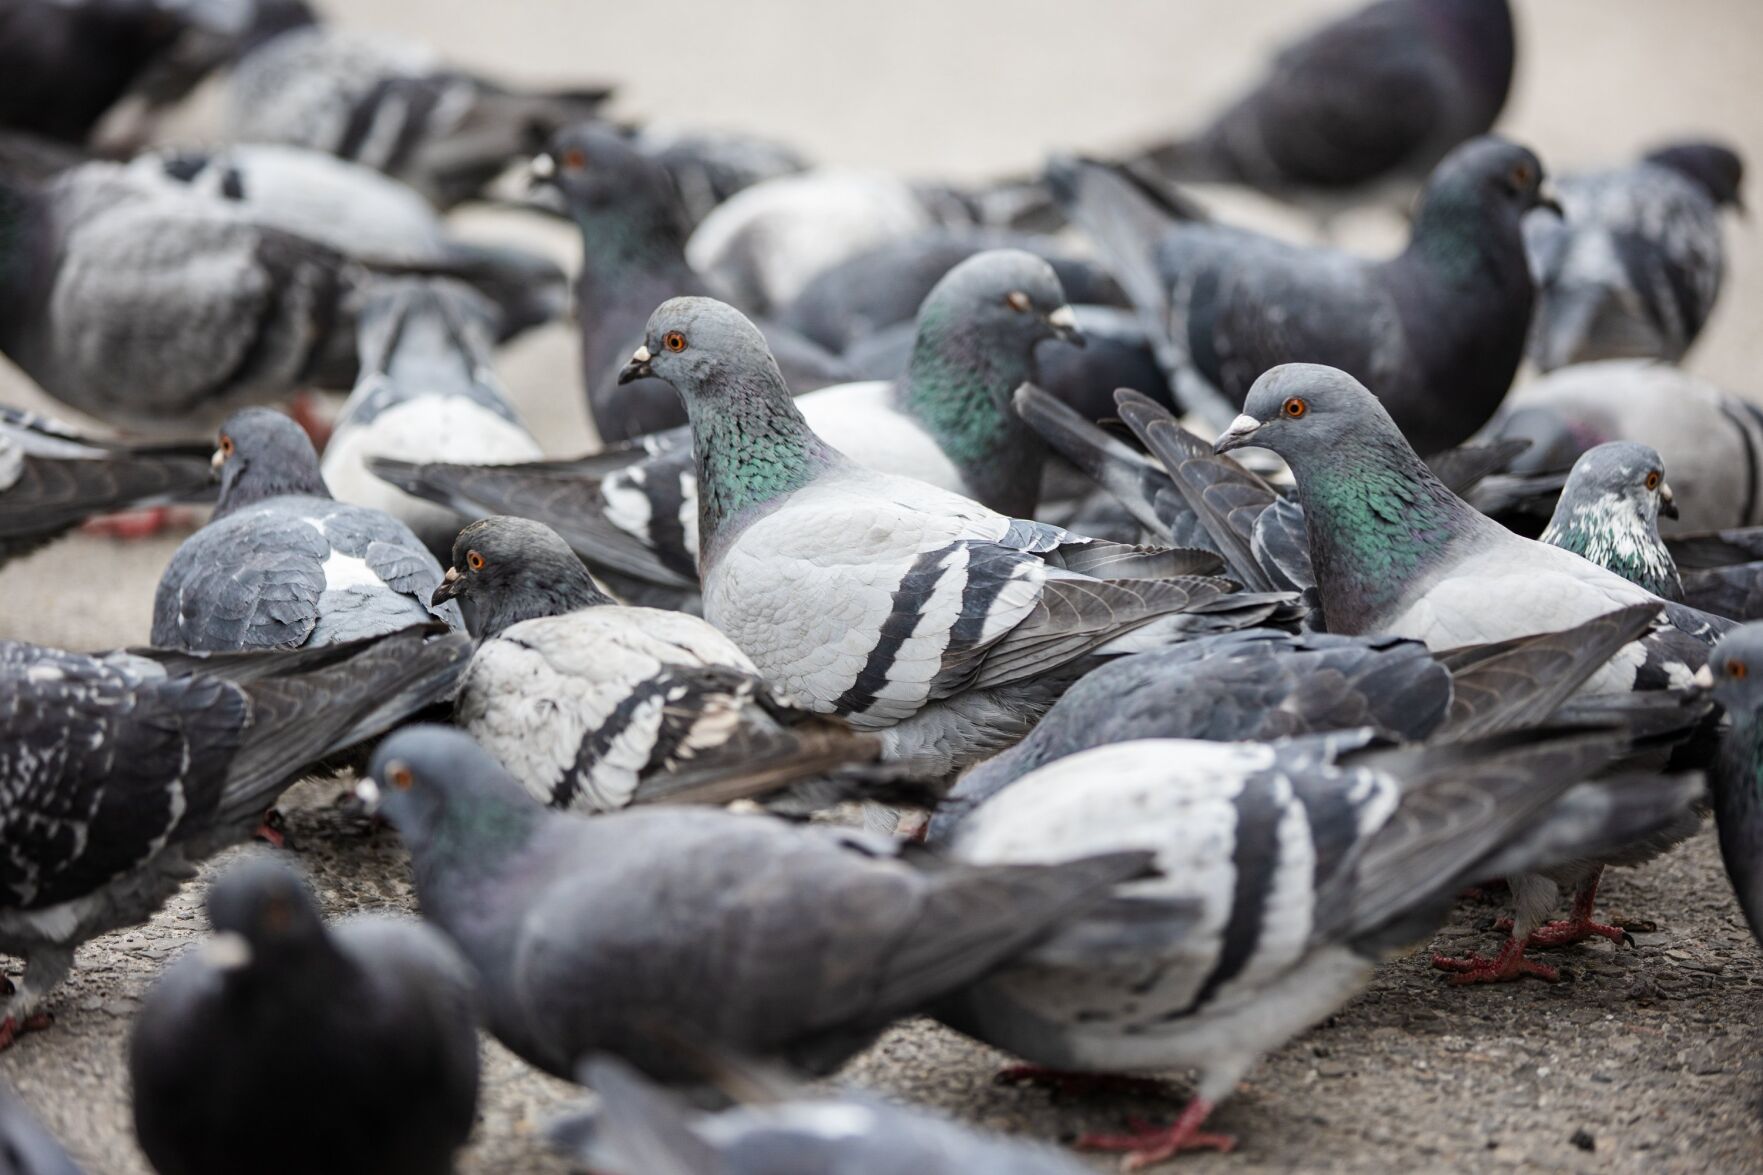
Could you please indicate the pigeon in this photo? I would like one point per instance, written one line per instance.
(53, 477)
(1634, 267)
(595, 706)
(1437, 331)
(386, 102)
(26, 1147)
(121, 773)
(1737, 776)
(369, 1024)
(947, 421)
(1313, 859)
(908, 610)
(1709, 438)
(1378, 95)
(638, 1129)
(707, 167)
(1609, 513)
(633, 256)
(282, 564)
(1261, 684)
(627, 932)
(428, 391)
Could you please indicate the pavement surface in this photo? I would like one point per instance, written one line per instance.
(1644, 1058)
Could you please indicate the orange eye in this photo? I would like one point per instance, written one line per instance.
(674, 341)
(1736, 670)
(399, 776)
(1294, 408)
(1521, 176)
(1653, 480)
(1019, 301)
(226, 445)
(574, 159)
(474, 561)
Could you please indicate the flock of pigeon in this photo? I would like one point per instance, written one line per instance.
(1036, 604)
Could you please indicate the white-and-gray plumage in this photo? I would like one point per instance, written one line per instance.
(1609, 513)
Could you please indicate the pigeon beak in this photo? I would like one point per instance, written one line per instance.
(214, 464)
(1237, 435)
(541, 172)
(368, 792)
(637, 368)
(1546, 199)
(1667, 501)
(451, 585)
(227, 951)
(1064, 324)
(1703, 678)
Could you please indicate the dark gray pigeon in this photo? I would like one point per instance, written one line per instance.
(629, 932)
(707, 167)
(26, 1147)
(370, 1024)
(638, 1129)
(283, 564)
(1380, 94)
(1736, 781)
(596, 706)
(1634, 267)
(387, 102)
(1312, 859)
(944, 625)
(120, 774)
(52, 478)
(1609, 513)
(428, 391)
(1437, 331)
(946, 421)
(633, 257)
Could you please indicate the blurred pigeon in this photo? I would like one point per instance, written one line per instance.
(1382, 93)
(52, 478)
(595, 706)
(944, 625)
(1709, 439)
(428, 391)
(638, 1129)
(370, 1024)
(389, 103)
(1437, 331)
(282, 564)
(1312, 860)
(1609, 513)
(628, 932)
(707, 167)
(1737, 778)
(121, 773)
(26, 1148)
(947, 421)
(1634, 267)
(633, 257)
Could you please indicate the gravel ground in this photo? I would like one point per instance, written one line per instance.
(1643, 1058)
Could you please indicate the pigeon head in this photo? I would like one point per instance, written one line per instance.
(1304, 409)
(1735, 671)
(1609, 513)
(1476, 198)
(262, 915)
(608, 185)
(511, 569)
(702, 347)
(263, 454)
(447, 796)
(1628, 471)
(1715, 167)
(1009, 297)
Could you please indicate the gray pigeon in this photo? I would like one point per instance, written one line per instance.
(1634, 267)
(390, 103)
(629, 932)
(369, 1025)
(707, 167)
(947, 421)
(1437, 330)
(120, 774)
(52, 478)
(633, 236)
(638, 1129)
(282, 564)
(1382, 93)
(1312, 860)
(944, 625)
(26, 1147)
(428, 391)
(596, 706)
(1609, 513)
(1737, 778)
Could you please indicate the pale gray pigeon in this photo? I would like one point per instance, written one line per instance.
(370, 1023)
(283, 564)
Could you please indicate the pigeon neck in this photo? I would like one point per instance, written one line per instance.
(552, 590)
(261, 482)
(1737, 785)
(1467, 241)
(474, 838)
(753, 450)
(625, 240)
(1607, 532)
(959, 389)
(1378, 521)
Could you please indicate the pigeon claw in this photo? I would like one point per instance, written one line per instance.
(1504, 967)
(12, 1028)
(1147, 1145)
(272, 830)
(1567, 931)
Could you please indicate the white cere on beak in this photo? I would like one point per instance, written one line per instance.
(1703, 677)
(216, 461)
(543, 166)
(1063, 317)
(368, 792)
(227, 951)
(1242, 426)
(642, 354)
(451, 575)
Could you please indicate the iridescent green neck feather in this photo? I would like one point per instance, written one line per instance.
(1605, 532)
(753, 450)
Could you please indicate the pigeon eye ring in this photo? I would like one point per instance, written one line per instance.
(674, 341)
(1294, 408)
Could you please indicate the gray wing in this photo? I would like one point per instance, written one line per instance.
(407, 574)
(29, 1148)
(251, 580)
(1735, 592)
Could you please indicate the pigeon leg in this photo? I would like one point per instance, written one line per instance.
(128, 525)
(1147, 1145)
(309, 412)
(1577, 928)
(272, 830)
(44, 971)
(1508, 965)
(1068, 1082)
